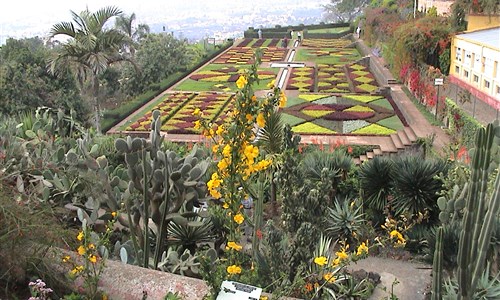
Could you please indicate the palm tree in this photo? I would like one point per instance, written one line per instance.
(133, 35)
(90, 49)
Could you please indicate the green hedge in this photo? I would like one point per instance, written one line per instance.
(281, 31)
(461, 123)
(115, 116)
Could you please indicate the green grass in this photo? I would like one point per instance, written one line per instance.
(291, 101)
(383, 103)
(200, 86)
(392, 122)
(291, 120)
(329, 30)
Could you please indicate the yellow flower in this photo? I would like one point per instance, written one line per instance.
(113, 214)
(222, 164)
(363, 248)
(321, 260)
(91, 246)
(215, 148)
(233, 245)
(104, 297)
(66, 258)
(241, 82)
(216, 194)
(93, 259)
(251, 152)
(282, 100)
(196, 112)
(261, 121)
(254, 98)
(342, 255)
(329, 277)
(225, 205)
(197, 124)
(271, 84)
(81, 250)
(80, 236)
(234, 269)
(220, 130)
(76, 270)
(238, 218)
(264, 298)
(226, 151)
(249, 117)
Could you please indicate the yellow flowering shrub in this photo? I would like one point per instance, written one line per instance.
(238, 159)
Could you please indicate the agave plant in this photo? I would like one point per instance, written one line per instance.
(343, 220)
(375, 182)
(189, 235)
(416, 184)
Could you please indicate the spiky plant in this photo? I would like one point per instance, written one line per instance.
(344, 220)
(375, 182)
(189, 235)
(415, 184)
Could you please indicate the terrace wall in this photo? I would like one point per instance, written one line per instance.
(379, 71)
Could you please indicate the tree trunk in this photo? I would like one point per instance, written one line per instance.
(97, 103)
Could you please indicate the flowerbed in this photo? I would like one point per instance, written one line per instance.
(221, 78)
(361, 78)
(176, 111)
(301, 79)
(244, 55)
(326, 43)
(342, 114)
(332, 79)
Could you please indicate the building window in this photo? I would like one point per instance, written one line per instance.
(498, 90)
(487, 84)
(488, 66)
(458, 54)
(466, 73)
(476, 78)
(457, 69)
(468, 58)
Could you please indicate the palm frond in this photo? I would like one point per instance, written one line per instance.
(63, 28)
(270, 138)
(100, 17)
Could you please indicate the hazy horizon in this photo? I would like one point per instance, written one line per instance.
(35, 18)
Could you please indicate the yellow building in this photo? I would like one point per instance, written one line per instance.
(475, 56)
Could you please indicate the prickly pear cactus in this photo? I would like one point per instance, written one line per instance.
(166, 182)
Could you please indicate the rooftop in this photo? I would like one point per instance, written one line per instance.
(489, 37)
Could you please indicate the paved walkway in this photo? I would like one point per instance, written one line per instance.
(413, 279)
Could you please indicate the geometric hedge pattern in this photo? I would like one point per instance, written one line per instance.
(342, 114)
(176, 110)
(244, 55)
(302, 79)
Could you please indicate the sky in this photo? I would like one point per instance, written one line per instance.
(22, 18)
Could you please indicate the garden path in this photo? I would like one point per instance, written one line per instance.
(414, 279)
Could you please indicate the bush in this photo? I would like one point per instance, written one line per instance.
(463, 124)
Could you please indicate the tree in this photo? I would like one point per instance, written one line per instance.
(26, 84)
(90, 50)
(159, 56)
(133, 35)
(344, 10)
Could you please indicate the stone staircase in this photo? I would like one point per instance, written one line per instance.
(394, 144)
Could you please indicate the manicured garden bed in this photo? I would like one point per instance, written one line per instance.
(342, 114)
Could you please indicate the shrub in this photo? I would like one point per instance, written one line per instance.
(375, 182)
(463, 124)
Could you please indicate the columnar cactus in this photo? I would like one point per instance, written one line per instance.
(480, 211)
(437, 266)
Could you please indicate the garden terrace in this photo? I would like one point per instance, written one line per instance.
(331, 92)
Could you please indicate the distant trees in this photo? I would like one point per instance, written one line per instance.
(345, 10)
(133, 35)
(159, 55)
(91, 48)
(26, 84)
